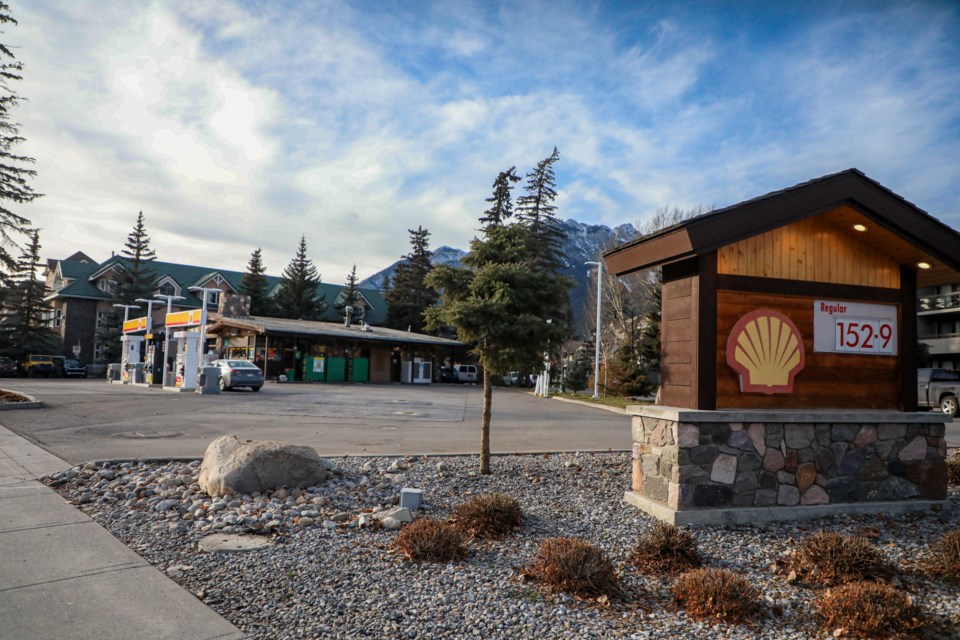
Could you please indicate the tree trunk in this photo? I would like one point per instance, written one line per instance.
(485, 425)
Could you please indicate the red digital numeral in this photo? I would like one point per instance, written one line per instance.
(886, 333)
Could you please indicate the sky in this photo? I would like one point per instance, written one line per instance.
(235, 125)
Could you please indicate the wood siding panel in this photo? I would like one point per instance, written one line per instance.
(678, 363)
(828, 381)
(812, 249)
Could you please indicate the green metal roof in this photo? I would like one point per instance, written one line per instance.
(187, 276)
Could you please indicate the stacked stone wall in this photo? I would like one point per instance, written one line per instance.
(734, 464)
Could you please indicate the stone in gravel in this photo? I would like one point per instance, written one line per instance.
(329, 524)
(401, 514)
(443, 467)
(85, 498)
(232, 542)
(305, 521)
(233, 467)
(166, 505)
(391, 523)
(343, 516)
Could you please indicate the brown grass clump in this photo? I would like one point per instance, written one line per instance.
(666, 548)
(574, 566)
(488, 517)
(828, 558)
(870, 609)
(716, 594)
(431, 540)
(944, 560)
(953, 469)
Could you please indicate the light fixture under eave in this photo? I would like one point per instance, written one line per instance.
(859, 227)
(923, 265)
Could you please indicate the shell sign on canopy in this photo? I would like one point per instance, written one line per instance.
(766, 351)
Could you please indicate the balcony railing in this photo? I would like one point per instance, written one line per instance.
(939, 301)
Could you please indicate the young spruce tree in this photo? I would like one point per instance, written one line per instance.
(297, 298)
(501, 304)
(255, 285)
(350, 296)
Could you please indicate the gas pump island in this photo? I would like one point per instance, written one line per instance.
(185, 346)
(141, 361)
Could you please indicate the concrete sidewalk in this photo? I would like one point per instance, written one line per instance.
(62, 575)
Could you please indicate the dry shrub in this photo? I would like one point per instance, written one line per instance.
(666, 548)
(828, 558)
(488, 517)
(574, 566)
(870, 609)
(716, 594)
(953, 469)
(432, 540)
(944, 560)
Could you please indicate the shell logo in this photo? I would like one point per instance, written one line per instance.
(766, 351)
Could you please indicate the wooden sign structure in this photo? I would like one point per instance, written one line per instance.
(801, 300)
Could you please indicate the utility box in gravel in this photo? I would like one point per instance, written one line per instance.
(788, 357)
(233, 467)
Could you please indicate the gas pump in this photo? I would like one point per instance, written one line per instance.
(130, 356)
(188, 359)
(153, 359)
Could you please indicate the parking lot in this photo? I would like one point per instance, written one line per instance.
(90, 419)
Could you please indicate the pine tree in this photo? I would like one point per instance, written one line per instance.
(410, 295)
(575, 377)
(500, 305)
(537, 210)
(255, 285)
(350, 296)
(14, 175)
(135, 279)
(501, 205)
(29, 333)
(297, 297)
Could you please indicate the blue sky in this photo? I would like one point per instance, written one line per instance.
(234, 125)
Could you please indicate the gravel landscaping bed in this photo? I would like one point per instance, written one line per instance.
(322, 576)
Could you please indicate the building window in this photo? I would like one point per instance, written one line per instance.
(103, 319)
(167, 289)
(107, 286)
(57, 318)
(97, 350)
(213, 298)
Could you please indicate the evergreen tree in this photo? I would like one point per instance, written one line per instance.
(297, 297)
(410, 295)
(501, 205)
(255, 285)
(626, 370)
(135, 279)
(14, 175)
(350, 296)
(29, 333)
(501, 306)
(536, 209)
(575, 377)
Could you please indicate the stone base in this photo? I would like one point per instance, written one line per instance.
(762, 515)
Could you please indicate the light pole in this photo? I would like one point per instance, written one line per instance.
(596, 355)
(166, 331)
(126, 310)
(149, 304)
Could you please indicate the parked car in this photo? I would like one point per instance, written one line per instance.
(37, 365)
(465, 372)
(8, 368)
(511, 379)
(74, 368)
(939, 388)
(447, 375)
(238, 373)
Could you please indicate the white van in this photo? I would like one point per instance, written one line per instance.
(465, 373)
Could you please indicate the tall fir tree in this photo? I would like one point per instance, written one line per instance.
(297, 298)
(501, 203)
(29, 333)
(350, 296)
(536, 209)
(410, 295)
(14, 171)
(135, 278)
(254, 284)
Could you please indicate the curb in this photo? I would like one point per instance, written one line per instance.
(31, 403)
(591, 404)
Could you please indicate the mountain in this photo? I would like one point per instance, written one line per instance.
(584, 243)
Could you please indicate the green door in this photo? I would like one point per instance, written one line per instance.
(336, 369)
(314, 368)
(360, 371)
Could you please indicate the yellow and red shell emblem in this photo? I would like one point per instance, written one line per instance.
(766, 351)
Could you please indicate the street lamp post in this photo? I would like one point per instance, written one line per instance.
(126, 310)
(149, 304)
(203, 312)
(596, 355)
(166, 331)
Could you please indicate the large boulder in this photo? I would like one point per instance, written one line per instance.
(233, 467)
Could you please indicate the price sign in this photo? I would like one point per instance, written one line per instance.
(854, 327)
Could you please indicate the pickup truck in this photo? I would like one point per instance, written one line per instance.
(939, 388)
